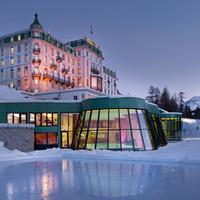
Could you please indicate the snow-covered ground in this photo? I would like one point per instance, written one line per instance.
(186, 151)
(191, 128)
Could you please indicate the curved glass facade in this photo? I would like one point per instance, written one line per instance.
(172, 128)
(118, 129)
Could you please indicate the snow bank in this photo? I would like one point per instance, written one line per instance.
(187, 151)
(191, 128)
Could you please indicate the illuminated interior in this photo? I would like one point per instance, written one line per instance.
(116, 129)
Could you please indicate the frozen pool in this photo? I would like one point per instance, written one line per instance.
(73, 179)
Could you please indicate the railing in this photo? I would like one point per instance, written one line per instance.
(36, 61)
(36, 50)
(53, 66)
(95, 71)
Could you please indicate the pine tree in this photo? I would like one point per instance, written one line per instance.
(181, 101)
(173, 104)
(187, 112)
(150, 94)
(156, 97)
(165, 99)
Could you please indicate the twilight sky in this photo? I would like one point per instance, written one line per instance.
(148, 42)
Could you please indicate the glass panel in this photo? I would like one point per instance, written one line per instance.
(134, 119)
(70, 122)
(41, 138)
(124, 119)
(102, 139)
(137, 139)
(49, 119)
(103, 119)
(114, 139)
(10, 118)
(146, 138)
(64, 139)
(91, 139)
(126, 139)
(52, 138)
(114, 119)
(23, 118)
(142, 119)
(38, 119)
(55, 119)
(92, 130)
(82, 140)
(44, 119)
(93, 121)
(70, 136)
(64, 121)
(86, 121)
(16, 118)
(32, 118)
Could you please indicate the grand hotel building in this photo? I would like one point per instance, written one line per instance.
(34, 61)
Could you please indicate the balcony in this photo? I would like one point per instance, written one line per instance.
(95, 71)
(36, 74)
(47, 76)
(59, 59)
(64, 71)
(36, 50)
(36, 61)
(53, 66)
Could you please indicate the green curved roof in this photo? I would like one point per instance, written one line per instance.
(171, 115)
(116, 102)
(153, 108)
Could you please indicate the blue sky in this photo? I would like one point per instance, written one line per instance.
(148, 42)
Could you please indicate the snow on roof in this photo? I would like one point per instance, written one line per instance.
(11, 94)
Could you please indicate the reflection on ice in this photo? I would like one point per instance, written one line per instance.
(67, 179)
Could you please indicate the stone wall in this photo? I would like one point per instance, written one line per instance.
(17, 136)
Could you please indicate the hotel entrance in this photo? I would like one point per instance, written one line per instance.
(68, 123)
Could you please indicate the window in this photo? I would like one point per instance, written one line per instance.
(12, 39)
(23, 118)
(2, 62)
(18, 48)
(1, 74)
(18, 59)
(11, 50)
(19, 37)
(79, 53)
(46, 140)
(10, 118)
(38, 119)
(75, 97)
(18, 72)
(11, 73)
(2, 51)
(26, 58)
(32, 118)
(26, 71)
(12, 61)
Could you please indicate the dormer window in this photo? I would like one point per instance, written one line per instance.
(19, 37)
(36, 34)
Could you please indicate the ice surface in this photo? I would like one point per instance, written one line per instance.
(63, 179)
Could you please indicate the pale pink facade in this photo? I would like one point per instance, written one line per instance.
(34, 61)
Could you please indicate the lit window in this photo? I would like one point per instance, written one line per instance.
(19, 37)
(38, 119)
(12, 39)
(12, 61)
(32, 118)
(2, 62)
(23, 118)
(10, 118)
(44, 119)
(16, 118)
(55, 119)
(12, 50)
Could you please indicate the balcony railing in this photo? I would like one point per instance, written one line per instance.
(36, 50)
(95, 71)
(59, 59)
(48, 76)
(36, 74)
(36, 61)
(53, 66)
(64, 71)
